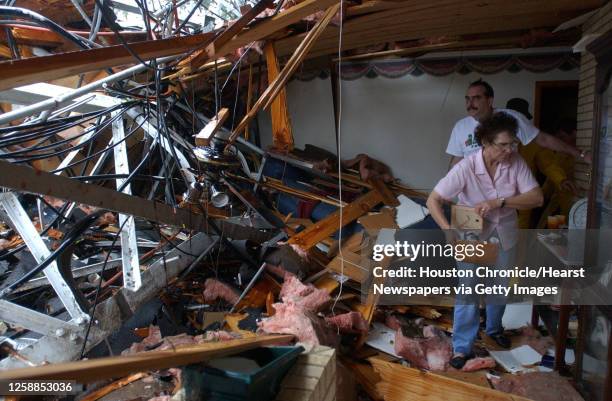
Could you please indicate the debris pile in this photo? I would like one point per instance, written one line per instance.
(137, 219)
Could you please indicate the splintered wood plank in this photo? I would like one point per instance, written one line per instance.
(366, 376)
(85, 371)
(281, 20)
(199, 57)
(294, 61)
(207, 133)
(282, 136)
(324, 228)
(385, 236)
(400, 383)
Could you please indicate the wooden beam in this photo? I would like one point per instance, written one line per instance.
(85, 371)
(274, 24)
(279, 186)
(369, 7)
(33, 37)
(24, 178)
(274, 87)
(282, 136)
(40, 69)
(199, 57)
(387, 195)
(207, 133)
(396, 187)
(401, 52)
(442, 18)
(352, 268)
(44, 37)
(403, 383)
(5, 51)
(249, 98)
(324, 228)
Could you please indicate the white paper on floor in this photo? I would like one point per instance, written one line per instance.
(382, 338)
(517, 359)
(409, 212)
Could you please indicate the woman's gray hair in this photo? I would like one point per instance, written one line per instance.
(498, 122)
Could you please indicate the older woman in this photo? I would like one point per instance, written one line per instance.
(495, 181)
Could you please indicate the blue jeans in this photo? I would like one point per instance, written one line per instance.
(466, 320)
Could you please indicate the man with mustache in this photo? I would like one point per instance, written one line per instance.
(479, 106)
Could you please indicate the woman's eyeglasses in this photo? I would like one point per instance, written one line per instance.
(512, 146)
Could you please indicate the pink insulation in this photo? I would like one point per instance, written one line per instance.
(154, 340)
(307, 297)
(214, 289)
(432, 352)
(305, 325)
(538, 386)
(149, 342)
(172, 342)
(393, 322)
(351, 322)
(479, 363)
(220, 335)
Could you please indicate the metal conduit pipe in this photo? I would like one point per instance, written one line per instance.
(59, 101)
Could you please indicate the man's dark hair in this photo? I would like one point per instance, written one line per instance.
(498, 122)
(487, 88)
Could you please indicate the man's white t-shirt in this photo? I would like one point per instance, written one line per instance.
(462, 141)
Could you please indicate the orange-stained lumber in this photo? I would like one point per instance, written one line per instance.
(40, 69)
(101, 392)
(207, 133)
(296, 58)
(85, 371)
(44, 37)
(31, 37)
(282, 136)
(312, 235)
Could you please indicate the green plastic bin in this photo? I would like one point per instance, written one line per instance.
(260, 384)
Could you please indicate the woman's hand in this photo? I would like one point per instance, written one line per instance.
(485, 207)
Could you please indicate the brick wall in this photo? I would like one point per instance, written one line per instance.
(600, 22)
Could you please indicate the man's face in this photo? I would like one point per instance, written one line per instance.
(477, 104)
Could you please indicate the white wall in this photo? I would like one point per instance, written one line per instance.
(404, 122)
